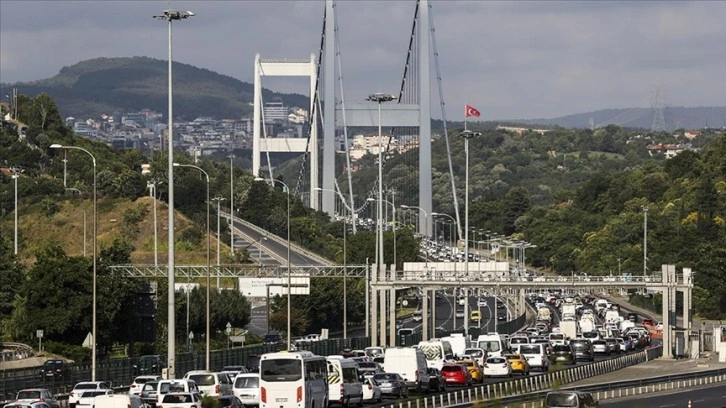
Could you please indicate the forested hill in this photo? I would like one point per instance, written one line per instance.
(108, 85)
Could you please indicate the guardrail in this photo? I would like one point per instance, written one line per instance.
(529, 387)
(10, 351)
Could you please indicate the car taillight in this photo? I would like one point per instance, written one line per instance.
(129, 406)
(486, 365)
(505, 365)
(159, 406)
(300, 392)
(263, 394)
(370, 386)
(217, 389)
(342, 393)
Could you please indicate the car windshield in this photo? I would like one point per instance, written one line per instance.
(561, 399)
(85, 386)
(385, 377)
(561, 348)
(89, 394)
(450, 369)
(474, 353)
(34, 395)
(529, 349)
(177, 398)
(283, 369)
(203, 379)
(366, 364)
(496, 360)
(246, 382)
(142, 380)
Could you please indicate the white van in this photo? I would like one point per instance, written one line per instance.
(437, 353)
(411, 364)
(492, 343)
(180, 385)
(458, 342)
(344, 386)
(536, 355)
(117, 401)
(558, 339)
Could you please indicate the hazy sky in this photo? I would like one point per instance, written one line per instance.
(510, 59)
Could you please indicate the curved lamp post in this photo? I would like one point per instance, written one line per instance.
(209, 242)
(95, 233)
(289, 273)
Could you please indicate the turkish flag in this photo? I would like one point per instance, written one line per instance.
(471, 111)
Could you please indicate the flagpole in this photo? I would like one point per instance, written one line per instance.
(466, 114)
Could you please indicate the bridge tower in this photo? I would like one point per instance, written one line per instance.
(365, 114)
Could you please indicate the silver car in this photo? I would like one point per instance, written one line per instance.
(600, 347)
(391, 385)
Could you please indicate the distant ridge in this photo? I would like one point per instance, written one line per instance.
(675, 118)
(129, 84)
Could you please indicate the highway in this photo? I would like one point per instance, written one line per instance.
(702, 397)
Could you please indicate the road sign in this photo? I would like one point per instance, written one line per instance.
(39, 334)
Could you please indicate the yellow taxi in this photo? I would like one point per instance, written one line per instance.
(474, 369)
(518, 363)
(475, 316)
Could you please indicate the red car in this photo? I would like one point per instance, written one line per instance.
(456, 374)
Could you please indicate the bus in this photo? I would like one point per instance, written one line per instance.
(295, 379)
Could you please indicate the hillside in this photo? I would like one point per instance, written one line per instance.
(675, 118)
(108, 85)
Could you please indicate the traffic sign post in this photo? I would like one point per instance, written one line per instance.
(39, 335)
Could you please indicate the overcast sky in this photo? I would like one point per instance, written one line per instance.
(509, 59)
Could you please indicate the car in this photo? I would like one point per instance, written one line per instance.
(138, 384)
(626, 344)
(497, 367)
(456, 374)
(475, 371)
(181, 400)
(647, 322)
(460, 313)
(563, 353)
(36, 394)
(87, 397)
(583, 349)
(148, 364)
(633, 317)
(613, 344)
(272, 338)
(246, 387)
(371, 390)
(54, 370)
(517, 363)
(437, 382)
(30, 404)
(482, 303)
(148, 393)
(210, 384)
(391, 385)
(475, 316)
(117, 401)
(233, 370)
(230, 401)
(369, 368)
(83, 386)
(569, 399)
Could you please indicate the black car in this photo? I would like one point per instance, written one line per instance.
(633, 317)
(272, 338)
(148, 365)
(583, 349)
(437, 382)
(563, 353)
(54, 370)
(230, 401)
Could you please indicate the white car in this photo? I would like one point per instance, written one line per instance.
(371, 391)
(138, 384)
(181, 400)
(482, 303)
(88, 397)
(211, 384)
(79, 388)
(497, 367)
(246, 387)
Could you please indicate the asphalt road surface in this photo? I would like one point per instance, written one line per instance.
(706, 397)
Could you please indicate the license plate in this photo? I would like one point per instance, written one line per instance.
(280, 399)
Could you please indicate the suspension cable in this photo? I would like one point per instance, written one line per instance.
(443, 118)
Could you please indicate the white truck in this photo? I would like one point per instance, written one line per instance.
(568, 308)
(569, 328)
(587, 324)
(544, 314)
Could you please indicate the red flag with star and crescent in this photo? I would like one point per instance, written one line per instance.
(471, 111)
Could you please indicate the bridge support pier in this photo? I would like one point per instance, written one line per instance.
(374, 305)
(392, 317)
(425, 314)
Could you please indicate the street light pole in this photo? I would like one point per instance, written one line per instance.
(152, 193)
(218, 199)
(645, 241)
(169, 16)
(289, 272)
(209, 244)
(380, 98)
(231, 205)
(467, 134)
(95, 234)
(16, 174)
